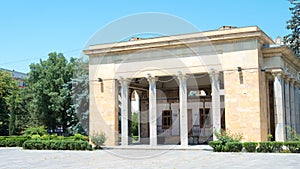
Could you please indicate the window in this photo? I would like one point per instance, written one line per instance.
(166, 119)
(204, 113)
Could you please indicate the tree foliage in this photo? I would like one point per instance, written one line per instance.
(8, 86)
(135, 124)
(56, 96)
(80, 96)
(18, 109)
(293, 39)
(50, 99)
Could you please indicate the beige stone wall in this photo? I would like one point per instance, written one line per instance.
(242, 104)
(245, 101)
(103, 110)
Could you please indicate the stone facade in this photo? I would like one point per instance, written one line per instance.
(241, 71)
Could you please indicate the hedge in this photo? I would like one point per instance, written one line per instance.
(293, 146)
(250, 146)
(216, 145)
(76, 137)
(270, 147)
(219, 146)
(56, 145)
(12, 141)
(234, 146)
(264, 147)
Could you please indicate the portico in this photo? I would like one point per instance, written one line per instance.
(190, 85)
(175, 97)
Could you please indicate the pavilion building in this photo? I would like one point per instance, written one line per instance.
(189, 85)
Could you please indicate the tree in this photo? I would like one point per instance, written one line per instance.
(7, 87)
(80, 97)
(293, 39)
(135, 124)
(19, 114)
(50, 101)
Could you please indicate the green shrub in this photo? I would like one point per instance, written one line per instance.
(227, 136)
(78, 137)
(33, 145)
(35, 137)
(270, 147)
(135, 138)
(35, 131)
(61, 138)
(98, 140)
(56, 145)
(49, 137)
(265, 147)
(277, 146)
(2, 142)
(292, 134)
(234, 146)
(216, 145)
(250, 146)
(12, 141)
(293, 146)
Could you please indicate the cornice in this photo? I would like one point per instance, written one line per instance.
(283, 51)
(204, 38)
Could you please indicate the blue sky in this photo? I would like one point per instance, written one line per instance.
(31, 29)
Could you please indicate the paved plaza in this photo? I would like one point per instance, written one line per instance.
(130, 158)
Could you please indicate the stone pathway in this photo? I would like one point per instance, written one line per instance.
(136, 159)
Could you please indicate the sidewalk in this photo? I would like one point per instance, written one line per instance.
(160, 147)
(143, 159)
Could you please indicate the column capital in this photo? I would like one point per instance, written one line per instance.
(151, 79)
(287, 78)
(213, 74)
(278, 74)
(292, 80)
(124, 81)
(182, 77)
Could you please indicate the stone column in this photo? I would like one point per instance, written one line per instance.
(152, 110)
(287, 106)
(183, 110)
(139, 93)
(297, 104)
(129, 117)
(124, 111)
(279, 107)
(216, 103)
(292, 104)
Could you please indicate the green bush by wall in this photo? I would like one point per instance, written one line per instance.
(234, 146)
(270, 147)
(293, 146)
(250, 146)
(262, 147)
